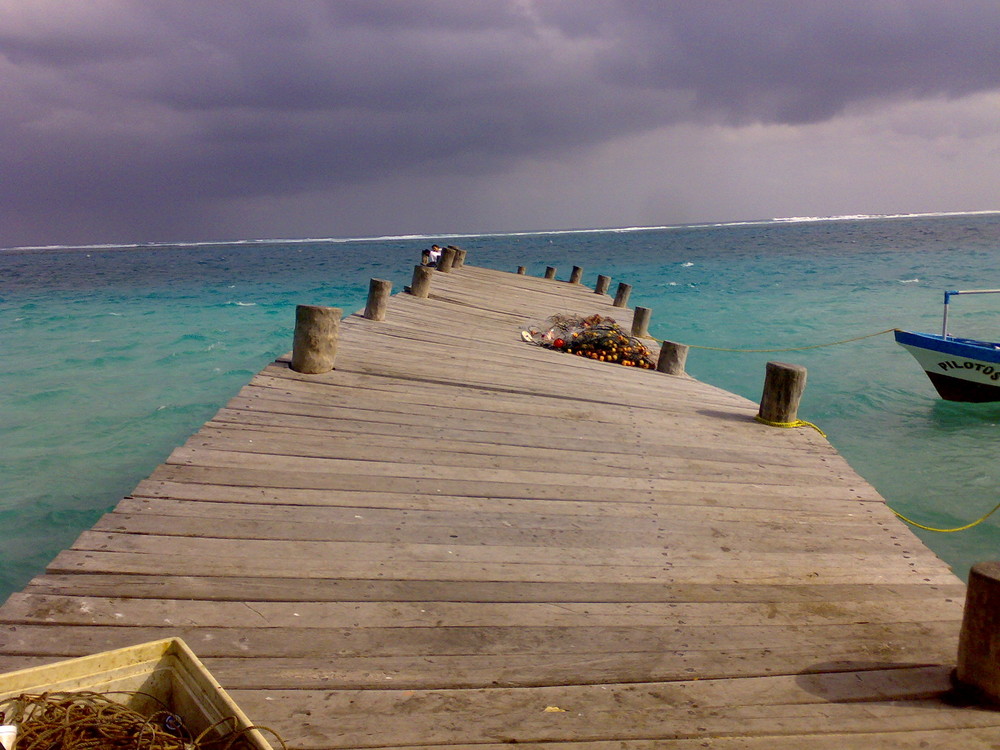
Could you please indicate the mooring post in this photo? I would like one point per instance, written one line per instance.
(603, 282)
(447, 260)
(783, 387)
(378, 298)
(521, 270)
(459, 257)
(420, 286)
(575, 275)
(314, 345)
(550, 272)
(672, 359)
(640, 322)
(979, 640)
(621, 296)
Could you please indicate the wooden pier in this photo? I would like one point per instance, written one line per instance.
(456, 539)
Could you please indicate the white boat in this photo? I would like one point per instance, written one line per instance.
(960, 369)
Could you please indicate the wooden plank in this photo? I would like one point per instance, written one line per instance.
(263, 614)
(545, 396)
(571, 458)
(249, 485)
(684, 549)
(650, 712)
(776, 570)
(428, 672)
(657, 478)
(243, 588)
(733, 492)
(608, 516)
(278, 414)
(561, 531)
(902, 644)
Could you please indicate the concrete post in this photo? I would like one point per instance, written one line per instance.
(575, 275)
(603, 282)
(550, 272)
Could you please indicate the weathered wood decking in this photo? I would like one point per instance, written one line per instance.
(457, 539)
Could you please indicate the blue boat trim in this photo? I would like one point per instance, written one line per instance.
(972, 376)
(986, 351)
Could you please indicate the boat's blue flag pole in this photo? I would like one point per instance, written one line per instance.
(952, 293)
(944, 324)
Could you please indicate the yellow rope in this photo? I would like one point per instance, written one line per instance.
(804, 423)
(796, 423)
(792, 348)
(947, 531)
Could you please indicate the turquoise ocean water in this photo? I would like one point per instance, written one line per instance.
(112, 356)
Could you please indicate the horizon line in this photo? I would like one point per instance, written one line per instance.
(522, 233)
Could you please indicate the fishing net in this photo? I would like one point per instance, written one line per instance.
(594, 337)
(95, 721)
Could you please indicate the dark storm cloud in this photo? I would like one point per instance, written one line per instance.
(803, 62)
(149, 112)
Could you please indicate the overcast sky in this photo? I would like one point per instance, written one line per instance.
(160, 120)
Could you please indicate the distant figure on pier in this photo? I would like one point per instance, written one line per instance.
(435, 254)
(425, 257)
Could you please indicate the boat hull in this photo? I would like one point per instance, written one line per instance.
(959, 369)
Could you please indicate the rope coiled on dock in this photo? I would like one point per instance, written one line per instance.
(94, 721)
(789, 425)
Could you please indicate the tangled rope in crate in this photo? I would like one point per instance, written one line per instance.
(95, 721)
(594, 337)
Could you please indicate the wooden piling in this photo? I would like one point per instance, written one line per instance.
(621, 296)
(576, 275)
(603, 282)
(550, 272)
(459, 257)
(420, 286)
(378, 297)
(521, 270)
(783, 387)
(978, 668)
(640, 322)
(447, 260)
(314, 346)
(672, 358)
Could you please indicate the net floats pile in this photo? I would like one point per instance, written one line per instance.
(595, 337)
